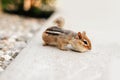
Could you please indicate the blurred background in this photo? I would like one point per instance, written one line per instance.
(32, 8)
(20, 20)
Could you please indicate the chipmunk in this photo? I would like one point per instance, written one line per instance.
(57, 36)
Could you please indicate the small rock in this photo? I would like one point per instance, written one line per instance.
(6, 57)
(2, 58)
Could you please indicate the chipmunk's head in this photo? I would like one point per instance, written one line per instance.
(81, 42)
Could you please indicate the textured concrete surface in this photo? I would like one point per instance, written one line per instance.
(37, 62)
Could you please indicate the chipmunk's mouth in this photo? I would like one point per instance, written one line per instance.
(82, 49)
(79, 49)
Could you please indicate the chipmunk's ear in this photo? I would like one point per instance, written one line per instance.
(79, 35)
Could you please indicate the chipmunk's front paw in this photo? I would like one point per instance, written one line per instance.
(63, 48)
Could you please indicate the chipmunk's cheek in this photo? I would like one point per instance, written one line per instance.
(82, 49)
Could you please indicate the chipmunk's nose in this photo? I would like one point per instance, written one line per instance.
(90, 47)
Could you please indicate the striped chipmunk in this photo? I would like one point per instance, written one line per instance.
(59, 37)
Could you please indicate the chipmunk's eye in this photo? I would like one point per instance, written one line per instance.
(85, 42)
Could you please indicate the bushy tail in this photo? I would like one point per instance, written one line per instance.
(59, 22)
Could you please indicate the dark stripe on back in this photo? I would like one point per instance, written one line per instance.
(56, 29)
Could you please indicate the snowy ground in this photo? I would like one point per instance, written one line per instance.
(100, 19)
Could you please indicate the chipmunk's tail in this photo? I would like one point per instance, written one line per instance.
(59, 22)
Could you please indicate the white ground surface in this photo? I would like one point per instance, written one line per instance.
(100, 19)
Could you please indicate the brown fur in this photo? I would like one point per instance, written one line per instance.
(59, 37)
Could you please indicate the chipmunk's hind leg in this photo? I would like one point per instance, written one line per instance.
(45, 44)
